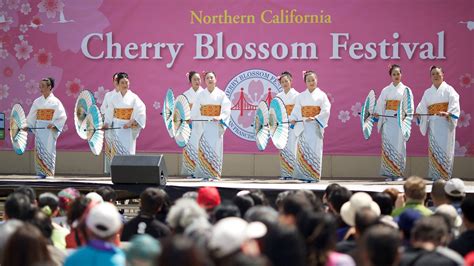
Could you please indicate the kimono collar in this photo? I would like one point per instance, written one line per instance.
(286, 93)
(198, 89)
(50, 96)
(315, 90)
(443, 84)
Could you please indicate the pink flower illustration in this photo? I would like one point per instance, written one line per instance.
(32, 87)
(330, 97)
(7, 72)
(23, 28)
(4, 91)
(100, 94)
(15, 101)
(43, 58)
(466, 80)
(21, 77)
(356, 108)
(50, 7)
(3, 53)
(460, 151)
(74, 87)
(156, 105)
(23, 50)
(36, 21)
(25, 8)
(344, 116)
(464, 119)
(13, 4)
(28, 101)
(7, 21)
(78, 19)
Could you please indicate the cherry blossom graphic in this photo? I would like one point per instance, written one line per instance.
(464, 118)
(23, 28)
(43, 58)
(77, 19)
(21, 77)
(74, 87)
(100, 94)
(13, 4)
(330, 97)
(4, 88)
(32, 86)
(156, 105)
(25, 9)
(23, 50)
(466, 80)
(28, 101)
(344, 116)
(5, 21)
(460, 151)
(7, 72)
(50, 7)
(15, 101)
(356, 108)
(3, 53)
(36, 21)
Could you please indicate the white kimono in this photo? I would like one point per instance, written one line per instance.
(287, 155)
(211, 138)
(442, 130)
(42, 113)
(393, 142)
(190, 152)
(120, 111)
(309, 134)
(108, 151)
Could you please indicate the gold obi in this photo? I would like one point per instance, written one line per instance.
(45, 114)
(437, 107)
(211, 110)
(289, 108)
(123, 113)
(310, 111)
(392, 105)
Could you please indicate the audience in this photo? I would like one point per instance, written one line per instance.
(415, 196)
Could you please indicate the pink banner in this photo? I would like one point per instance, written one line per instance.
(348, 43)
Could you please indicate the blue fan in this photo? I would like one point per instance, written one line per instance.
(262, 130)
(93, 129)
(18, 136)
(366, 114)
(168, 107)
(84, 101)
(181, 114)
(405, 113)
(278, 123)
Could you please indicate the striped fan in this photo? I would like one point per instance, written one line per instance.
(168, 107)
(278, 123)
(18, 136)
(181, 114)
(262, 130)
(84, 101)
(366, 114)
(93, 129)
(405, 107)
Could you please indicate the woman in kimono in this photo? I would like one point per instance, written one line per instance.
(128, 113)
(109, 151)
(190, 152)
(393, 141)
(441, 102)
(287, 155)
(46, 112)
(212, 107)
(312, 108)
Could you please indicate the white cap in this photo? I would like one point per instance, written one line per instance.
(358, 201)
(455, 187)
(451, 212)
(104, 220)
(230, 233)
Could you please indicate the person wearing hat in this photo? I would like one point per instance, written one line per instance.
(103, 222)
(464, 244)
(48, 113)
(208, 198)
(143, 250)
(455, 192)
(415, 195)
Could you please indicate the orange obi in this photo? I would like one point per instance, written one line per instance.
(289, 108)
(392, 105)
(45, 114)
(437, 107)
(123, 113)
(211, 110)
(310, 111)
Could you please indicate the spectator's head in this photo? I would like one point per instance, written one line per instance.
(29, 192)
(143, 250)
(190, 195)
(107, 193)
(393, 192)
(437, 192)
(380, 245)
(281, 197)
(29, 239)
(329, 189)
(284, 246)
(467, 207)
(365, 218)
(264, 214)
(66, 197)
(152, 200)
(455, 190)
(385, 202)
(224, 210)
(407, 220)
(357, 202)
(243, 201)
(77, 208)
(8, 228)
(429, 230)
(18, 206)
(103, 221)
(337, 198)
(43, 223)
(319, 231)
(315, 202)
(208, 198)
(94, 197)
(292, 207)
(451, 214)
(415, 189)
(183, 213)
(49, 204)
(179, 250)
(258, 197)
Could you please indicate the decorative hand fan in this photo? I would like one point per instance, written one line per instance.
(405, 113)
(93, 128)
(366, 114)
(262, 130)
(278, 123)
(84, 101)
(18, 136)
(181, 114)
(168, 107)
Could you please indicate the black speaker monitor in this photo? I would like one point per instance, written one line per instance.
(139, 169)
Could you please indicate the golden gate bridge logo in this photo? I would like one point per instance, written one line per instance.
(245, 91)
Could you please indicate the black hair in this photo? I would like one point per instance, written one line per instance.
(467, 207)
(49, 81)
(224, 210)
(430, 229)
(307, 73)
(381, 244)
(338, 197)
(208, 72)
(385, 202)
(28, 191)
(191, 74)
(18, 206)
(151, 200)
(436, 67)
(393, 67)
(243, 202)
(285, 74)
(121, 75)
(107, 193)
(48, 199)
(283, 246)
